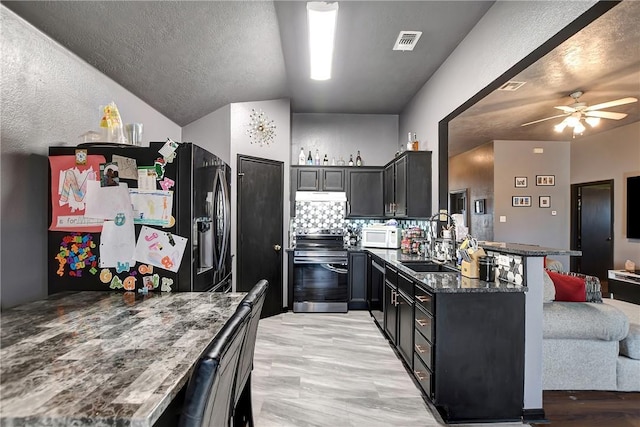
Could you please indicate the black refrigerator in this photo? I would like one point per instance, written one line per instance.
(179, 204)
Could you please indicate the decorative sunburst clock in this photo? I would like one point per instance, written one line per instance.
(261, 130)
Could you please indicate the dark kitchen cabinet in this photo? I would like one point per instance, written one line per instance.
(357, 281)
(375, 289)
(407, 185)
(405, 327)
(390, 312)
(310, 178)
(365, 192)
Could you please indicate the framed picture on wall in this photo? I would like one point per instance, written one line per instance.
(521, 181)
(543, 180)
(478, 206)
(544, 201)
(521, 201)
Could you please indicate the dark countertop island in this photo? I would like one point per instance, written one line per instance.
(103, 358)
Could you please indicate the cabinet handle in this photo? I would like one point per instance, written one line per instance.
(422, 298)
(421, 322)
(393, 297)
(419, 375)
(420, 349)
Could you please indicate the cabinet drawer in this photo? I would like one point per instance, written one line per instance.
(423, 375)
(422, 348)
(391, 275)
(424, 299)
(424, 323)
(405, 285)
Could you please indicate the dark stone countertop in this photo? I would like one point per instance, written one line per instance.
(103, 358)
(526, 250)
(442, 282)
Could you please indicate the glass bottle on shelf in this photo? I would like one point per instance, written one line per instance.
(317, 157)
(333, 161)
(309, 159)
(325, 161)
(301, 157)
(358, 159)
(341, 162)
(350, 160)
(415, 143)
(409, 142)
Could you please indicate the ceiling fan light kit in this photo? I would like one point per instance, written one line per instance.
(579, 112)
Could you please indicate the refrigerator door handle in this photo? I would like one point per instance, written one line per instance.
(226, 219)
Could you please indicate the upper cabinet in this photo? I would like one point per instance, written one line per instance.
(407, 185)
(365, 192)
(310, 178)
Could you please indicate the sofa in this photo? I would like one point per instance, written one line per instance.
(590, 345)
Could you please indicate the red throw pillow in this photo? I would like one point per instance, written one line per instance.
(568, 288)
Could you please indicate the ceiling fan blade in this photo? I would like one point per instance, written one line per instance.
(606, 115)
(566, 108)
(542, 120)
(615, 103)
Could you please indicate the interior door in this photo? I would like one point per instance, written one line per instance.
(259, 239)
(594, 228)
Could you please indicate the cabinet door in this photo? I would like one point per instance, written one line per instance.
(357, 281)
(365, 193)
(401, 187)
(418, 184)
(389, 189)
(390, 312)
(308, 180)
(333, 179)
(405, 328)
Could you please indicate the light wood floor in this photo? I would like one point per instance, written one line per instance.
(332, 370)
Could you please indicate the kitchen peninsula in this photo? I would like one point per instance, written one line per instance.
(104, 358)
(474, 347)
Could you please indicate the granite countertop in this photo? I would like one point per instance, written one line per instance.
(442, 282)
(526, 250)
(103, 358)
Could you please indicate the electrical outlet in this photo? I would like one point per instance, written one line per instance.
(554, 213)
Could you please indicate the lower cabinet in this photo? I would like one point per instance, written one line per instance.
(390, 311)
(465, 350)
(357, 281)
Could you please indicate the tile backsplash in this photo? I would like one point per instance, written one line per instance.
(315, 214)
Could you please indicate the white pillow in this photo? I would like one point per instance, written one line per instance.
(549, 290)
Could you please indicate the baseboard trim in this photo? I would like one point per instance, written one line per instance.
(534, 415)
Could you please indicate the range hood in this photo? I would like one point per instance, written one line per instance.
(321, 196)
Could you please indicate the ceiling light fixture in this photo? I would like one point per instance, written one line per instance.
(322, 19)
(574, 121)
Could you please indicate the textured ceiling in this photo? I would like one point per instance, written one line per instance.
(187, 59)
(602, 60)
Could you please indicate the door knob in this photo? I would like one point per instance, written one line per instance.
(277, 248)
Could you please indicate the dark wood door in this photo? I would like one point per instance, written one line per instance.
(389, 189)
(401, 187)
(595, 228)
(259, 239)
(308, 180)
(365, 193)
(390, 312)
(405, 328)
(333, 179)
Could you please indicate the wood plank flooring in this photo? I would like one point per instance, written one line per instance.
(591, 409)
(333, 370)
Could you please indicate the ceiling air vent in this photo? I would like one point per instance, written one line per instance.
(407, 40)
(511, 86)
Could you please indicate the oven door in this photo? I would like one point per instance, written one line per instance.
(320, 286)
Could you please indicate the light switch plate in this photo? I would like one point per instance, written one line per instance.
(503, 218)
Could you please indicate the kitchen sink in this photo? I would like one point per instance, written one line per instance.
(427, 266)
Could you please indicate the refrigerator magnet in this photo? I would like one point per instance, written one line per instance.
(168, 148)
(81, 157)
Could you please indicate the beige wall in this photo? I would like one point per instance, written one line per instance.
(473, 170)
(611, 155)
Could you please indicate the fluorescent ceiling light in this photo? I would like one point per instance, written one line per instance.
(322, 18)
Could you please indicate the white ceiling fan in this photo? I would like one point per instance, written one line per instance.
(578, 112)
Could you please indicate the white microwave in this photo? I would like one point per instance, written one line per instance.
(381, 236)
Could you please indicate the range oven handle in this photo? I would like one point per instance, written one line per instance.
(332, 267)
(317, 260)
